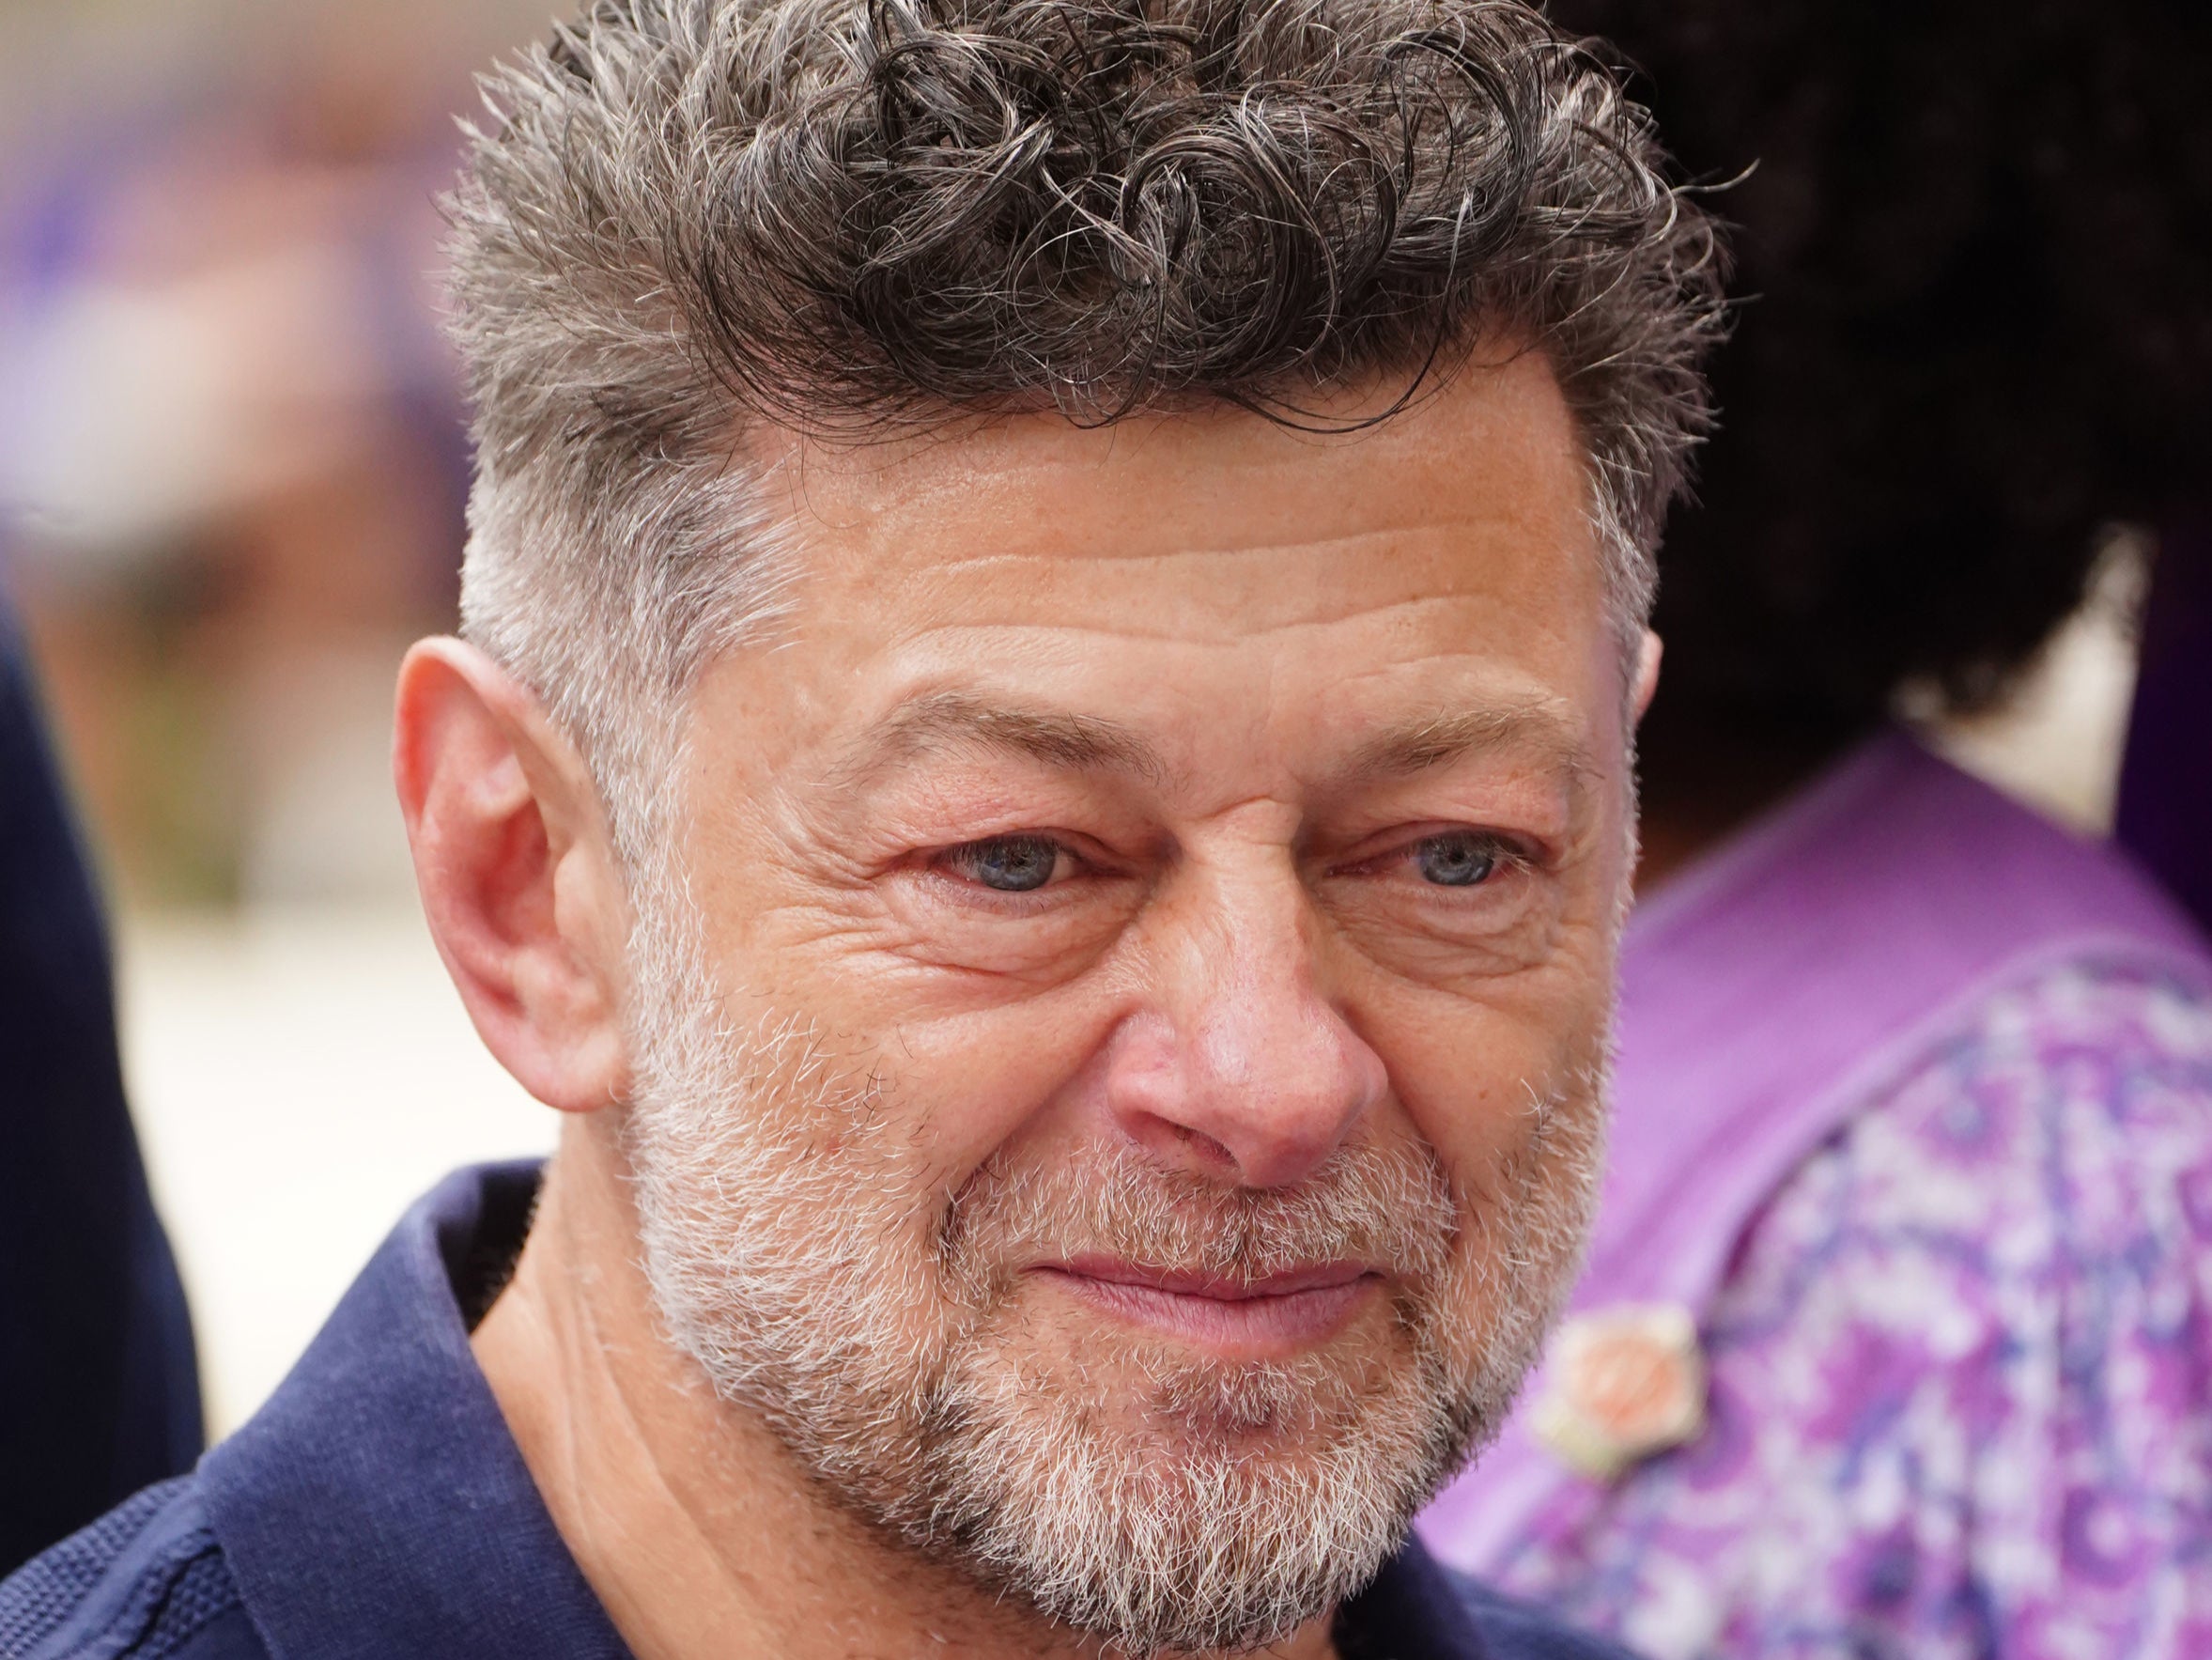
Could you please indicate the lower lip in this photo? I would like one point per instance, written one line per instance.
(1248, 1326)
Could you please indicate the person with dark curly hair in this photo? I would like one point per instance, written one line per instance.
(1898, 1329)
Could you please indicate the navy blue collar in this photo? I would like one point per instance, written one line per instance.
(378, 1505)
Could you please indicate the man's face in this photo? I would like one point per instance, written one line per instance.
(1117, 1036)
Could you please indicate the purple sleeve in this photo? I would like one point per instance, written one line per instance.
(1962, 1370)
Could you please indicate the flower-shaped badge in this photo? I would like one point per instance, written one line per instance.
(1619, 1385)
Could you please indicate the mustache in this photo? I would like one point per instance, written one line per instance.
(1387, 1206)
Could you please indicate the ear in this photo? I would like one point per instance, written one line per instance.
(517, 872)
(1648, 672)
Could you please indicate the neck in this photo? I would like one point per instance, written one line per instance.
(699, 1531)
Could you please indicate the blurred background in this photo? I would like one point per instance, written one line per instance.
(232, 470)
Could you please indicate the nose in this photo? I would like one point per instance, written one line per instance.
(1241, 1066)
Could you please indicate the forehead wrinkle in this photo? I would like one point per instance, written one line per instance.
(1343, 545)
(956, 720)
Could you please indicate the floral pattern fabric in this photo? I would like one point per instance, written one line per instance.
(1961, 1371)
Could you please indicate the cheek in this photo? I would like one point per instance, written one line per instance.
(959, 1073)
(1468, 1072)
(967, 1085)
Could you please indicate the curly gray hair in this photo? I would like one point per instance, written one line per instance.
(852, 216)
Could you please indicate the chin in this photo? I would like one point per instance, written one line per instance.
(1182, 1504)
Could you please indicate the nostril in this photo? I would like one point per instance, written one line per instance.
(1205, 1147)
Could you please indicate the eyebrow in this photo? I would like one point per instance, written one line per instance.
(956, 720)
(1433, 741)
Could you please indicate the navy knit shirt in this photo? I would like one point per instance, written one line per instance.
(378, 1508)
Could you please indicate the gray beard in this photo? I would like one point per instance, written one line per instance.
(804, 1259)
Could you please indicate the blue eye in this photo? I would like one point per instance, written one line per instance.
(1009, 864)
(1459, 860)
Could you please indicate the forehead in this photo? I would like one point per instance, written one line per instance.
(1495, 441)
(1204, 555)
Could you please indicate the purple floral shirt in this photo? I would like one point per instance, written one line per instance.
(1961, 1369)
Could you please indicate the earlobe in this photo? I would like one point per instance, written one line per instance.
(516, 872)
(1648, 672)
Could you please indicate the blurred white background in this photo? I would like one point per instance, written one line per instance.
(299, 1075)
